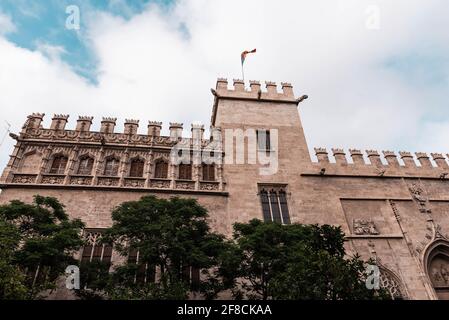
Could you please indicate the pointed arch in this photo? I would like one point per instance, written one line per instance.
(436, 264)
(111, 166)
(161, 168)
(31, 162)
(85, 164)
(392, 283)
(58, 163)
(136, 167)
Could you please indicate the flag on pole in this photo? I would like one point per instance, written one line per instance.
(244, 54)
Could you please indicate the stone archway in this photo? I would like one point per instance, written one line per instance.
(437, 267)
(390, 282)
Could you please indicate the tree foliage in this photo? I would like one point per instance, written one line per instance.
(273, 261)
(170, 235)
(38, 242)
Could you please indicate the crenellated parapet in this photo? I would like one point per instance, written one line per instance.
(33, 130)
(109, 159)
(271, 91)
(385, 160)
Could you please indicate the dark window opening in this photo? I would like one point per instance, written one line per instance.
(59, 164)
(136, 169)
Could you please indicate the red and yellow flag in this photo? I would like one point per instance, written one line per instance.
(244, 53)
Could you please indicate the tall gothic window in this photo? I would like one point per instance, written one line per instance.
(97, 254)
(161, 170)
(58, 165)
(111, 167)
(86, 165)
(191, 276)
(274, 205)
(95, 249)
(185, 171)
(263, 140)
(136, 169)
(145, 272)
(208, 172)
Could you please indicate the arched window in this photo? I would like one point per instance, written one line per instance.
(111, 167)
(391, 284)
(86, 165)
(31, 163)
(136, 169)
(161, 170)
(185, 171)
(437, 260)
(58, 165)
(208, 172)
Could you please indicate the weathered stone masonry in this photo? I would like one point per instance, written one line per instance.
(393, 210)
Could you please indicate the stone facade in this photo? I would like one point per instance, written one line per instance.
(395, 211)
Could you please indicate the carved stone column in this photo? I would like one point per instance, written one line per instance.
(172, 175)
(13, 163)
(149, 169)
(97, 166)
(220, 176)
(70, 165)
(123, 167)
(45, 158)
(196, 174)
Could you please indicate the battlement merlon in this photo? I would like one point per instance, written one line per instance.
(270, 93)
(391, 159)
(255, 92)
(33, 130)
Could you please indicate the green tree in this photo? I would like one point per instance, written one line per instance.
(295, 262)
(12, 285)
(38, 242)
(171, 235)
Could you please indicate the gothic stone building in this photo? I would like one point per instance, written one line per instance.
(393, 210)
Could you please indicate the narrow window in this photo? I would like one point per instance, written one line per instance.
(208, 172)
(185, 171)
(274, 205)
(111, 167)
(146, 272)
(284, 207)
(265, 206)
(161, 170)
(136, 169)
(86, 165)
(59, 164)
(95, 249)
(263, 140)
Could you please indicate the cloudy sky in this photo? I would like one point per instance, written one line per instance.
(376, 71)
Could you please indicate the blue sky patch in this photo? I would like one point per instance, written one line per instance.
(42, 23)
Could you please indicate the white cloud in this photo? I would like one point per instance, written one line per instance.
(6, 24)
(159, 65)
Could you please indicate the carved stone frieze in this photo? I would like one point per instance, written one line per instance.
(52, 179)
(364, 227)
(24, 178)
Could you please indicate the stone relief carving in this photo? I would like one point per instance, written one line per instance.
(364, 227)
(160, 184)
(81, 181)
(419, 196)
(209, 186)
(136, 183)
(26, 179)
(53, 180)
(185, 185)
(440, 275)
(108, 182)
